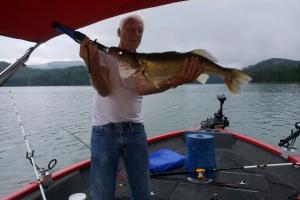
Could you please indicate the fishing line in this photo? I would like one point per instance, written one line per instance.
(85, 144)
(29, 151)
(72, 134)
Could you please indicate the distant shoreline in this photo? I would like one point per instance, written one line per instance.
(275, 70)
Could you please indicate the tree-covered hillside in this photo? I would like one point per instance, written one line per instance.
(76, 75)
(275, 70)
(272, 70)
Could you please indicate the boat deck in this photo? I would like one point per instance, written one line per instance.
(240, 184)
(268, 184)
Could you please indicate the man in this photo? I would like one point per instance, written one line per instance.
(117, 118)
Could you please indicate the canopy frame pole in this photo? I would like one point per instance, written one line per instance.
(13, 68)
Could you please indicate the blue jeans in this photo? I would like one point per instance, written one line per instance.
(108, 143)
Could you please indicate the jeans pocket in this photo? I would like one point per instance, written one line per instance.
(98, 135)
(137, 128)
(100, 130)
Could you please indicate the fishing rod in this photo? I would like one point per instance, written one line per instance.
(201, 171)
(76, 35)
(29, 151)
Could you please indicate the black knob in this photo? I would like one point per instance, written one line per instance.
(221, 97)
(297, 125)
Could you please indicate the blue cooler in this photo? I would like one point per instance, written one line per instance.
(200, 152)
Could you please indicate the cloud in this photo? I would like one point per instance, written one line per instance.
(238, 33)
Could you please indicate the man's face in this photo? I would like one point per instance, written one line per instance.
(131, 34)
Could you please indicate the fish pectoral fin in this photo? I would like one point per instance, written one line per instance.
(203, 78)
(125, 70)
(205, 54)
(147, 78)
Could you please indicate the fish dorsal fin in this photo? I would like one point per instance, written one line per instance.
(205, 54)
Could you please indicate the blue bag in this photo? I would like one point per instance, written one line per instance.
(164, 160)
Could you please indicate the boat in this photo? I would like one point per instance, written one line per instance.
(246, 168)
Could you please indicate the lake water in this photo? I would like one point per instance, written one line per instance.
(50, 115)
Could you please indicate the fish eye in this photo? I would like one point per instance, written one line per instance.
(120, 53)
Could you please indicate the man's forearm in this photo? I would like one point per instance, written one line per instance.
(99, 75)
(100, 79)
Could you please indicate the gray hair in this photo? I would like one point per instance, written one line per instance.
(130, 17)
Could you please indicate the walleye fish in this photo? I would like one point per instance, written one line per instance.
(155, 67)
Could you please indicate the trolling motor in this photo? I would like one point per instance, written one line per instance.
(219, 120)
(289, 141)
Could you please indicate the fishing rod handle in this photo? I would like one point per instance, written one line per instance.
(76, 35)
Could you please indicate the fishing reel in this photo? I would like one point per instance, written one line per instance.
(289, 141)
(219, 120)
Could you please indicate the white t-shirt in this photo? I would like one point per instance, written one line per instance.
(123, 104)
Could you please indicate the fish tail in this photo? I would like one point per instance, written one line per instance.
(234, 78)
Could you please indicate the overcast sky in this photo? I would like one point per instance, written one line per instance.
(237, 32)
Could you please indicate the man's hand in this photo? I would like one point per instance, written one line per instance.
(99, 75)
(190, 70)
(89, 52)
